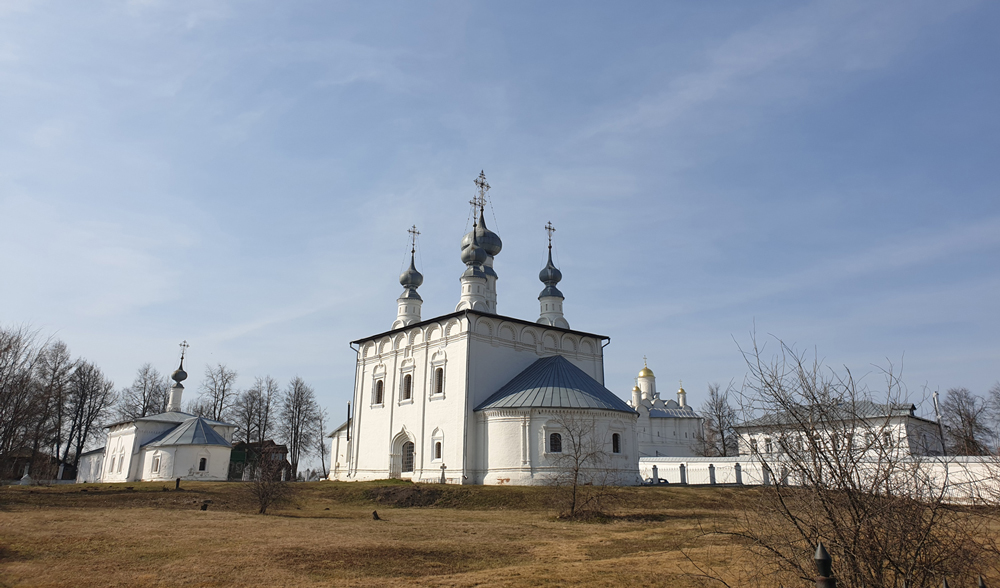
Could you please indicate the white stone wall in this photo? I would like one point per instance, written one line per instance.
(91, 468)
(907, 436)
(970, 480)
(515, 448)
(667, 436)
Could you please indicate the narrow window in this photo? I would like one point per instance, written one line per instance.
(407, 386)
(408, 456)
(112, 467)
(156, 464)
(437, 450)
(555, 443)
(616, 443)
(767, 445)
(378, 392)
(121, 460)
(753, 446)
(439, 380)
(201, 464)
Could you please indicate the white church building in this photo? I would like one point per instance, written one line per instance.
(475, 397)
(162, 447)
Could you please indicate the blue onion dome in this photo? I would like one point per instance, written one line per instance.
(411, 278)
(487, 239)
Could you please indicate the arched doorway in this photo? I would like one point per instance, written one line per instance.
(402, 458)
(407, 458)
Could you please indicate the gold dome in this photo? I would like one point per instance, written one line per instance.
(646, 373)
(636, 388)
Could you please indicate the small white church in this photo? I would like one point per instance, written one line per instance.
(162, 447)
(475, 397)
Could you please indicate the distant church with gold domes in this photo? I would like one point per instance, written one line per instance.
(665, 428)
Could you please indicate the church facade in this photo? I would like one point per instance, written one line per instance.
(475, 397)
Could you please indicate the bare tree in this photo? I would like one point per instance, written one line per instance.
(254, 409)
(218, 392)
(147, 395)
(583, 466)
(53, 373)
(321, 447)
(266, 486)
(717, 436)
(299, 417)
(964, 416)
(853, 485)
(18, 354)
(91, 396)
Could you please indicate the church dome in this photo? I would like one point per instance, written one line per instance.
(474, 254)
(179, 374)
(411, 278)
(646, 373)
(487, 239)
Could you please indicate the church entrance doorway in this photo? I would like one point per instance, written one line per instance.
(407, 457)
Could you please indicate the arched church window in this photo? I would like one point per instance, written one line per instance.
(616, 443)
(408, 456)
(407, 386)
(439, 380)
(121, 460)
(111, 468)
(156, 464)
(378, 392)
(202, 464)
(555, 443)
(437, 450)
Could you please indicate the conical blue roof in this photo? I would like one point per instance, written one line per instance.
(554, 382)
(194, 431)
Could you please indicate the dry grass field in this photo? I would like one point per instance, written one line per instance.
(151, 535)
(430, 535)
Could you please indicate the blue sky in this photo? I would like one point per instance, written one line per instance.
(242, 175)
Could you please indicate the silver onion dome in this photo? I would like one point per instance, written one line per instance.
(179, 374)
(411, 280)
(487, 239)
(474, 254)
(550, 276)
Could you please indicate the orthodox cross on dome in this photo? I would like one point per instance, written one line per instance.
(483, 189)
(644, 361)
(549, 228)
(184, 347)
(413, 238)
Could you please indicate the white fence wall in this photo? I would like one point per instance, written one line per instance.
(961, 479)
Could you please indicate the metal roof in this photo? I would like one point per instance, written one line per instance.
(672, 413)
(554, 382)
(194, 431)
(170, 417)
(839, 412)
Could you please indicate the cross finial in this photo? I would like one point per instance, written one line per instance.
(644, 361)
(413, 238)
(184, 346)
(549, 228)
(483, 188)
